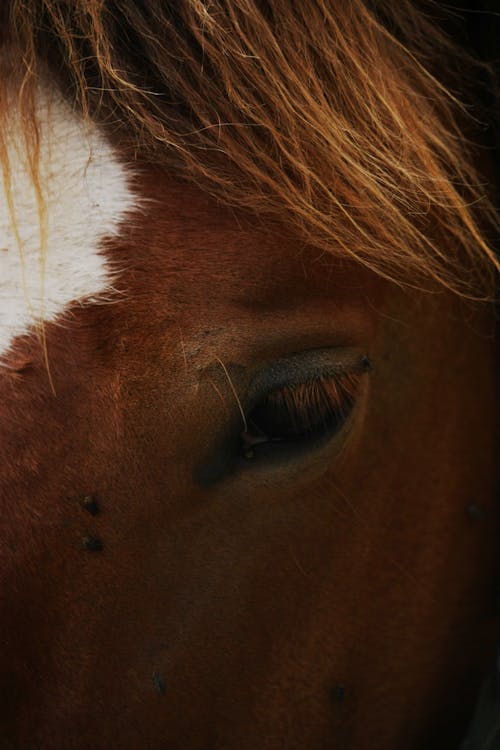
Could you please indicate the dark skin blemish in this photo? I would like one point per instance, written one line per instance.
(475, 513)
(159, 683)
(92, 543)
(90, 504)
(366, 364)
(338, 693)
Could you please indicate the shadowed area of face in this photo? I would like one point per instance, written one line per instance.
(162, 590)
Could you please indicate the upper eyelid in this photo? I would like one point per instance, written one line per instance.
(298, 369)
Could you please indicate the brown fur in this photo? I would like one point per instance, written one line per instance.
(334, 123)
(250, 590)
(214, 601)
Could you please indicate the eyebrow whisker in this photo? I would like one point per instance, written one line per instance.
(238, 401)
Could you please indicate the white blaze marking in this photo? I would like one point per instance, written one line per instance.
(87, 196)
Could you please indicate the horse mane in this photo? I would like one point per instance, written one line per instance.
(338, 125)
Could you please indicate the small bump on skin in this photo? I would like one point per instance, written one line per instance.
(475, 513)
(92, 543)
(90, 504)
(366, 364)
(338, 693)
(159, 683)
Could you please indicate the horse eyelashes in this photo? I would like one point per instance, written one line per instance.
(297, 412)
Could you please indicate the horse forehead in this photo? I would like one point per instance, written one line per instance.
(51, 251)
(193, 250)
(50, 260)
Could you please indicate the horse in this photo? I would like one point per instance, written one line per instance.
(247, 376)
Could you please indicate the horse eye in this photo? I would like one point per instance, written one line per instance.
(301, 412)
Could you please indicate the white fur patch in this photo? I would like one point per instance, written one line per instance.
(87, 196)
